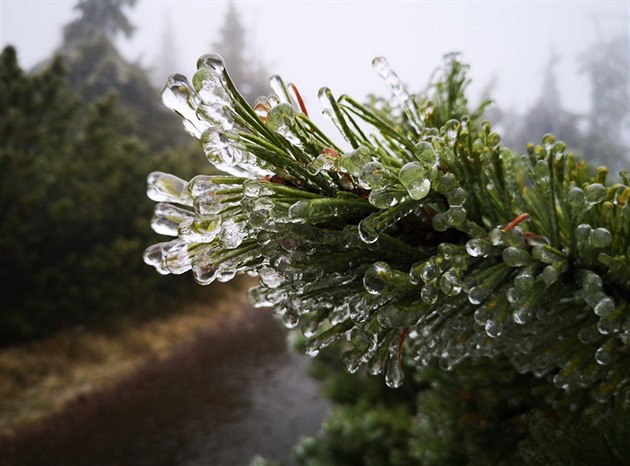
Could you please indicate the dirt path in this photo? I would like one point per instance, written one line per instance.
(223, 396)
(39, 379)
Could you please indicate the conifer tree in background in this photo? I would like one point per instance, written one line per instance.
(166, 60)
(496, 284)
(96, 68)
(248, 74)
(99, 17)
(599, 134)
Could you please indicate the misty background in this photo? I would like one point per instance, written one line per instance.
(508, 44)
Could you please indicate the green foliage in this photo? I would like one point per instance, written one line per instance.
(500, 280)
(71, 190)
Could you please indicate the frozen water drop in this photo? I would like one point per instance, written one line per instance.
(450, 284)
(595, 194)
(605, 307)
(521, 315)
(477, 247)
(575, 197)
(515, 257)
(425, 153)
(603, 356)
(428, 294)
(456, 197)
(394, 375)
(600, 238)
(493, 328)
(413, 177)
(549, 275)
(477, 294)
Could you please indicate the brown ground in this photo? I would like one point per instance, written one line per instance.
(38, 380)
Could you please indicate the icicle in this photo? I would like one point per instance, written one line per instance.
(400, 91)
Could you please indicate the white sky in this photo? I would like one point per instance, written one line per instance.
(332, 43)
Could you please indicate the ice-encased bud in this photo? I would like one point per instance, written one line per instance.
(167, 218)
(353, 162)
(213, 61)
(281, 118)
(164, 187)
(153, 256)
(375, 175)
(414, 178)
(323, 161)
(209, 86)
(219, 148)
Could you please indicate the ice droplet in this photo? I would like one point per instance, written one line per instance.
(575, 197)
(603, 356)
(477, 247)
(428, 294)
(477, 294)
(521, 315)
(605, 307)
(375, 175)
(493, 328)
(398, 88)
(515, 257)
(595, 194)
(456, 197)
(394, 375)
(413, 177)
(425, 153)
(353, 162)
(374, 279)
(450, 284)
(600, 238)
(549, 274)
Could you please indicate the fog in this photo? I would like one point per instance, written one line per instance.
(332, 43)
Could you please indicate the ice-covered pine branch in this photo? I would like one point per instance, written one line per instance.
(421, 237)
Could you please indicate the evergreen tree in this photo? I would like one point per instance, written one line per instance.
(547, 115)
(72, 229)
(606, 64)
(99, 17)
(166, 60)
(497, 284)
(249, 74)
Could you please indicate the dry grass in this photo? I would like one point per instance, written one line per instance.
(39, 379)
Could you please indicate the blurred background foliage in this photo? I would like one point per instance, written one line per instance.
(81, 131)
(79, 134)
